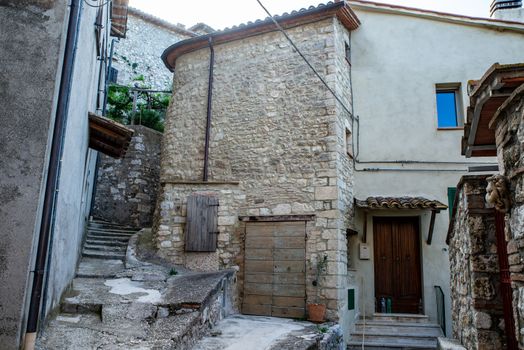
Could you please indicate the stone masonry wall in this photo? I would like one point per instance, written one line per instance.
(477, 316)
(126, 188)
(509, 132)
(139, 53)
(276, 148)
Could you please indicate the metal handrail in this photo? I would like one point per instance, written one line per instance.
(441, 309)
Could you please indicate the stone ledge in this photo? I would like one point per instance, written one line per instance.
(273, 218)
(193, 182)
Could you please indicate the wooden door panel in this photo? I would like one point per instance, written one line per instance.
(290, 254)
(256, 309)
(274, 264)
(258, 288)
(397, 263)
(258, 277)
(258, 266)
(289, 266)
(289, 242)
(383, 257)
(289, 312)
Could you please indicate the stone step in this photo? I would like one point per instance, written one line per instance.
(111, 227)
(412, 318)
(391, 323)
(100, 236)
(105, 248)
(411, 332)
(112, 232)
(117, 230)
(383, 343)
(99, 254)
(106, 243)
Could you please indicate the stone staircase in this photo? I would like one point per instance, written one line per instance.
(395, 331)
(106, 240)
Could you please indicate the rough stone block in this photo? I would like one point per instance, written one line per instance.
(326, 192)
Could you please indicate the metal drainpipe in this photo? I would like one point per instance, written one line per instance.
(209, 103)
(53, 173)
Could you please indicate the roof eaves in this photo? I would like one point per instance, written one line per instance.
(287, 20)
(495, 24)
(516, 95)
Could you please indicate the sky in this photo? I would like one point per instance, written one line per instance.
(220, 14)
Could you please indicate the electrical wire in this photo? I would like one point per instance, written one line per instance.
(305, 59)
(99, 5)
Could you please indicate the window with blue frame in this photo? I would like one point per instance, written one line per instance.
(448, 109)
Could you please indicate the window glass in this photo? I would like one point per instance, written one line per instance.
(447, 109)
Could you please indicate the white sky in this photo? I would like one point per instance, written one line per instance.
(226, 13)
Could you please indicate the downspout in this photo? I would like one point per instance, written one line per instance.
(53, 172)
(209, 105)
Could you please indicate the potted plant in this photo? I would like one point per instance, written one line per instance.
(317, 311)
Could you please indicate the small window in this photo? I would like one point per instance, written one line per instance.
(348, 52)
(448, 106)
(349, 143)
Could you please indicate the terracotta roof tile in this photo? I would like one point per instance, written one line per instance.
(400, 203)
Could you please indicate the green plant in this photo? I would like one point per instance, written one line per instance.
(150, 108)
(173, 272)
(322, 329)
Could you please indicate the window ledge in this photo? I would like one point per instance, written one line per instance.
(451, 128)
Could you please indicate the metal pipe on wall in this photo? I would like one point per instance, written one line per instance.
(53, 173)
(209, 105)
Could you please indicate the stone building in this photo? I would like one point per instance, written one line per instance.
(253, 130)
(138, 53)
(276, 158)
(127, 187)
(494, 127)
(476, 299)
(54, 79)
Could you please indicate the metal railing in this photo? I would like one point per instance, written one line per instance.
(441, 309)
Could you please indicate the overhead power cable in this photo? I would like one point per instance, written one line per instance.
(305, 59)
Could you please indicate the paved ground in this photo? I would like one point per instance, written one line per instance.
(242, 332)
(139, 305)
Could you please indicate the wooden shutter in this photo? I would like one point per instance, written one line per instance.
(201, 225)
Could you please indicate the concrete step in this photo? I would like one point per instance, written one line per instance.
(105, 248)
(106, 243)
(384, 343)
(412, 318)
(99, 254)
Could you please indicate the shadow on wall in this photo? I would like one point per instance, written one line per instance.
(126, 189)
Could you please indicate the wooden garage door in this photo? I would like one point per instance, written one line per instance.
(275, 266)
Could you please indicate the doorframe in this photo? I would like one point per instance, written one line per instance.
(418, 219)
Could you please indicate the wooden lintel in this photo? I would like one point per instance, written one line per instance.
(431, 226)
(276, 218)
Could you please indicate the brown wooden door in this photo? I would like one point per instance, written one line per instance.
(396, 244)
(275, 280)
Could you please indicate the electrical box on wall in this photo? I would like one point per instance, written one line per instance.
(364, 251)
